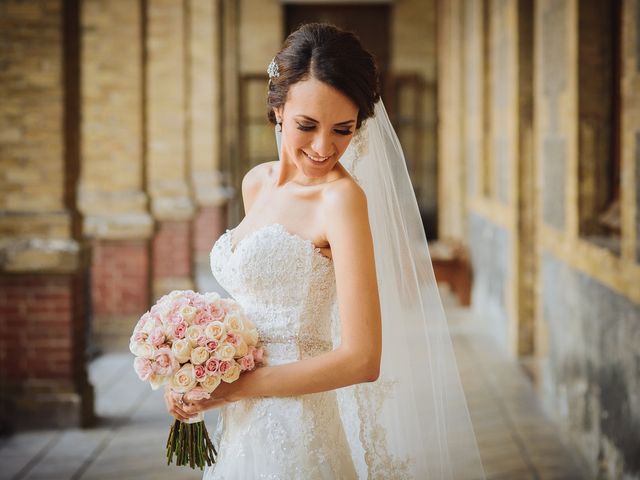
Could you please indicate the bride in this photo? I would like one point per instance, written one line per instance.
(331, 264)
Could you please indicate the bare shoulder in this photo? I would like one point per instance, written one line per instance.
(345, 197)
(256, 175)
(345, 214)
(252, 182)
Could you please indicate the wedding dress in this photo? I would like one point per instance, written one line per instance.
(287, 287)
(411, 423)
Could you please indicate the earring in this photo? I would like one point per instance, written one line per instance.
(278, 131)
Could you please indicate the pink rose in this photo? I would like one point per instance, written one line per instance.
(247, 362)
(142, 321)
(164, 362)
(156, 307)
(211, 345)
(233, 339)
(157, 337)
(196, 394)
(175, 318)
(224, 366)
(143, 368)
(216, 312)
(203, 318)
(212, 366)
(179, 330)
(140, 337)
(200, 372)
(198, 303)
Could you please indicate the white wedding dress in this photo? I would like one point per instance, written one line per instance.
(287, 287)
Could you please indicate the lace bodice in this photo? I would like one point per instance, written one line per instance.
(285, 285)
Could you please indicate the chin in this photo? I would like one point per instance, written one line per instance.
(317, 169)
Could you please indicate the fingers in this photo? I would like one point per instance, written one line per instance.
(175, 409)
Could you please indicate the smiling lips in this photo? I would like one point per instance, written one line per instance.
(317, 159)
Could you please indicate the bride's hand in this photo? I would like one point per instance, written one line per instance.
(174, 406)
(223, 394)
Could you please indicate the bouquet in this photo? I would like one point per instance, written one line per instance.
(192, 342)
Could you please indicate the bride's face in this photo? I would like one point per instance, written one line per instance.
(318, 122)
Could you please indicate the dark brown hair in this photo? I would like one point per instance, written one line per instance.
(330, 55)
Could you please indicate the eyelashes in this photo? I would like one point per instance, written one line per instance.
(307, 129)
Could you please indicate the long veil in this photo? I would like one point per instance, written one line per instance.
(412, 422)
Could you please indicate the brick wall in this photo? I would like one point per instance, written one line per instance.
(119, 270)
(208, 224)
(172, 257)
(43, 266)
(42, 352)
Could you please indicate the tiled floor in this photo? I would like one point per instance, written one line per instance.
(516, 440)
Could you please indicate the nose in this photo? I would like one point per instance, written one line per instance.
(322, 144)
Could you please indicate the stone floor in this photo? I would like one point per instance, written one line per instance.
(516, 440)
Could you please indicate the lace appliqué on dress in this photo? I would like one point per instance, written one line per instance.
(287, 288)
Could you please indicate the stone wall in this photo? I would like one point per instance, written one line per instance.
(43, 259)
(520, 87)
(110, 152)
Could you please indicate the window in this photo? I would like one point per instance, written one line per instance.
(599, 128)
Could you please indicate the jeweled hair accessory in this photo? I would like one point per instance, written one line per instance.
(273, 70)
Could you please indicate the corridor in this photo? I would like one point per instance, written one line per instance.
(516, 440)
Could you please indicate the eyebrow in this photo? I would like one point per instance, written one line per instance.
(314, 120)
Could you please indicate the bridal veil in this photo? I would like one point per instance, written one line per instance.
(413, 422)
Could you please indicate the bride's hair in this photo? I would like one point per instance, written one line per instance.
(331, 55)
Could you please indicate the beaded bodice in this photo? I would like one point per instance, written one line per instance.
(285, 285)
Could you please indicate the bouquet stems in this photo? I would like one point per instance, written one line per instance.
(190, 444)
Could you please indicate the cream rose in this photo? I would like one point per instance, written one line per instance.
(156, 380)
(232, 374)
(149, 325)
(184, 379)
(142, 349)
(251, 336)
(225, 352)
(242, 349)
(188, 313)
(181, 350)
(162, 309)
(215, 330)
(193, 333)
(211, 382)
(233, 322)
(199, 355)
(248, 323)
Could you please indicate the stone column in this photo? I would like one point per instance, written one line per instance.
(204, 85)
(166, 146)
(43, 262)
(112, 196)
(230, 105)
(451, 171)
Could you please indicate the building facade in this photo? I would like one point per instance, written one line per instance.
(539, 149)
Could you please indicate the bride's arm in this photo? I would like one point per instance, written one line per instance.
(357, 359)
